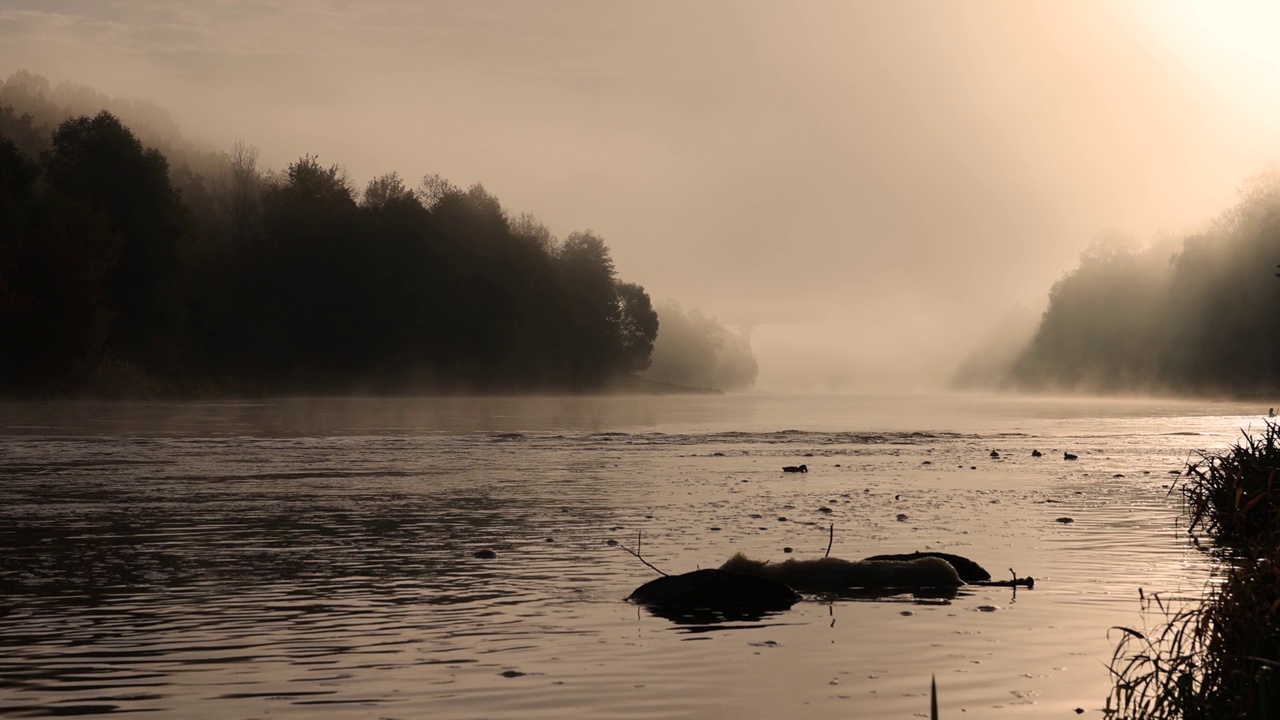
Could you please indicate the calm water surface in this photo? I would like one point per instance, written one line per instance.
(314, 558)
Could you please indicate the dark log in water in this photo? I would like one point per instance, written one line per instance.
(715, 589)
(969, 570)
(833, 574)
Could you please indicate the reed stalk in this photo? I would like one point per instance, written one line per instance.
(1218, 658)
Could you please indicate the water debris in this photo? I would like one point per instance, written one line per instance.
(824, 509)
(995, 455)
(484, 554)
(713, 588)
(830, 574)
(788, 549)
(902, 517)
(927, 462)
(986, 608)
(1065, 520)
(969, 571)
(1069, 456)
(1036, 453)
(512, 674)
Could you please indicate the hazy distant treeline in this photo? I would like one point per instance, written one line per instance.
(700, 352)
(118, 271)
(1201, 317)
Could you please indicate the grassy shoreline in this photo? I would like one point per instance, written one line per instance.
(1219, 658)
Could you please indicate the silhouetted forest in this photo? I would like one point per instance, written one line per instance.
(1200, 317)
(122, 273)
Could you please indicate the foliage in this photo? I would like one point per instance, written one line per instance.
(1234, 496)
(1169, 318)
(120, 274)
(1219, 658)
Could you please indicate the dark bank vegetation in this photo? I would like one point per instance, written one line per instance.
(1196, 316)
(1218, 658)
(128, 271)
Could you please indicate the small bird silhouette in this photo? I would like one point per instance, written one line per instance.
(1069, 456)
(995, 454)
(1036, 453)
(796, 468)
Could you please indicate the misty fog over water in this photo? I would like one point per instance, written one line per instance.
(350, 353)
(866, 189)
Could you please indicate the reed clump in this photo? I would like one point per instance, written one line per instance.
(1233, 498)
(1218, 658)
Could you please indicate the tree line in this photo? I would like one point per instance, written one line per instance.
(1199, 317)
(696, 351)
(119, 273)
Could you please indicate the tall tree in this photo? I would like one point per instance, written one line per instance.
(638, 327)
(97, 163)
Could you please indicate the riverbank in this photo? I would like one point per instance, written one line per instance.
(1219, 657)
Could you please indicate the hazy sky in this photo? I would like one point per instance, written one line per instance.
(871, 185)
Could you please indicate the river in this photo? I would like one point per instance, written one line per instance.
(315, 558)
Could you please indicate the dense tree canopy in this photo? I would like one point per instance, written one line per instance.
(121, 274)
(1200, 318)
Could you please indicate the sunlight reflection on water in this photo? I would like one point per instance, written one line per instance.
(316, 557)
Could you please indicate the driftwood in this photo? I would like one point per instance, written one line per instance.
(743, 588)
(716, 589)
(830, 574)
(970, 571)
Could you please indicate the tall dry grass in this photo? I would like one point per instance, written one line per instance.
(1218, 658)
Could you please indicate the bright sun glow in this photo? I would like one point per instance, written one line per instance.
(1245, 27)
(1229, 44)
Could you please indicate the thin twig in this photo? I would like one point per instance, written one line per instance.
(1015, 583)
(637, 555)
(831, 537)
